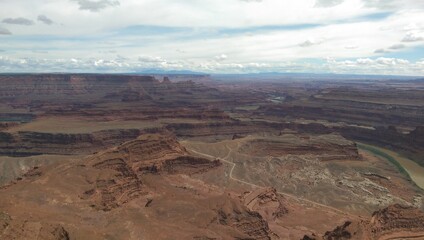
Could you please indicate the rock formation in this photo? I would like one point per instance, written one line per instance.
(393, 222)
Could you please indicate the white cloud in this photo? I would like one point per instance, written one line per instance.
(267, 34)
(96, 5)
(221, 57)
(393, 4)
(359, 66)
(364, 61)
(307, 43)
(385, 66)
(150, 59)
(384, 4)
(413, 36)
(252, 1)
(310, 42)
(391, 61)
(351, 46)
(328, 3)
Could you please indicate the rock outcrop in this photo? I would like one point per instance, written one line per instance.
(393, 222)
(267, 202)
(121, 167)
(13, 229)
(397, 221)
(248, 222)
(325, 147)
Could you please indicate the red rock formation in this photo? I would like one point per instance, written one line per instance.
(11, 229)
(34, 143)
(115, 185)
(122, 167)
(248, 222)
(393, 222)
(267, 202)
(397, 221)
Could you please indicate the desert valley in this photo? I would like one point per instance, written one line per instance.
(127, 156)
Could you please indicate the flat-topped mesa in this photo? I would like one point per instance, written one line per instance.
(152, 147)
(69, 84)
(75, 77)
(77, 91)
(166, 80)
(326, 147)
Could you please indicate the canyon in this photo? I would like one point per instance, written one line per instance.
(126, 156)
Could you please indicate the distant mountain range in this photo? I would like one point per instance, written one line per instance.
(263, 75)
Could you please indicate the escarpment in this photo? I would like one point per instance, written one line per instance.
(121, 168)
(394, 222)
(325, 147)
(68, 84)
(27, 143)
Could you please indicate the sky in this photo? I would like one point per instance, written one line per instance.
(213, 36)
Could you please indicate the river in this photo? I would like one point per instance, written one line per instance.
(414, 170)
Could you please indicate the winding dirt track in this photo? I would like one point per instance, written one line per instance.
(257, 186)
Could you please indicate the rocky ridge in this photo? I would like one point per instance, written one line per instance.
(394, 222)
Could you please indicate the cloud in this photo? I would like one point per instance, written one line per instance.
(391, 61)
(328, 3)
(382, 4)
(381, 65)
(351, 46)
(310, 42)
(4, 31)
(413, 37)
(45, 20)
(397, 46)
(251, 1)
(306, 43)
(40, 51)
(96, 6)
(150, 59)
(18, 21)
(381, 50)
(269, 35)
(221, 57)
(364, 61)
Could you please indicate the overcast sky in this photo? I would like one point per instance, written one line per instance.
(213, 36)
